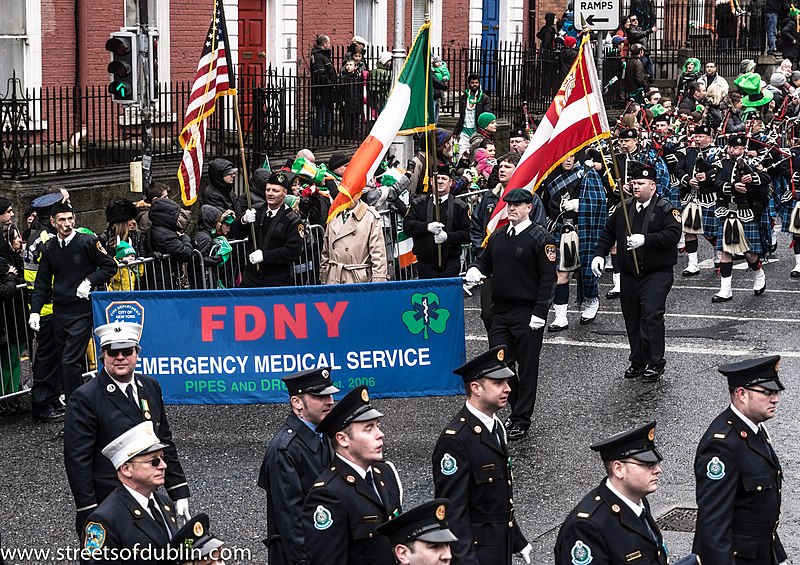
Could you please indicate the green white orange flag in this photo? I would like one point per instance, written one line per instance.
(408, 109)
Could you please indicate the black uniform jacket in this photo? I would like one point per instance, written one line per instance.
(661, 225)
(739, 482)
(342, 512)
(295, 458)
(420, 214)
(603, 530)
(281, 244)
(120, 522)
(97, 413)
(474, 472)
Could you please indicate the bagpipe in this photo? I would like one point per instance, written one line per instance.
(733, 238)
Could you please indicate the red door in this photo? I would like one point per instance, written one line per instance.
(252, 52)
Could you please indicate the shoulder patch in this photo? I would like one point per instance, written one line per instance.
(550, 251)
(322, 518)
(448, 465)
(581, 553)
(94, 536)
(100, 247)
(715, 470)
(677, 215)
(301, 229)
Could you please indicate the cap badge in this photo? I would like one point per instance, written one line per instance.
(325, 373)
(651, 435)
(448, 465)
(501, 354)
(365, 395)
(581, 553)
(715, 469)
(440, 512)
(95, 536)
(322, 518)
(198, 529)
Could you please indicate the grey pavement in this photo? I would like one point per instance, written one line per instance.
(582, 398)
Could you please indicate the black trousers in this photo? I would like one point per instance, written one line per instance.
(511, 328)
(643, 302)
(487, 304)
(47, 385)
(451, 268)
(72, 332)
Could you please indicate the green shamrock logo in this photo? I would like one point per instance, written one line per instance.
(426, 314)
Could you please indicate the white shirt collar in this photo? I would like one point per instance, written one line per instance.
(66, 240)
(745, 419)
(141, 499)
(488, 421)
(644, 204)
(361, 471)
(637, 508)
(522, 226)
(123, 387)
(444, 197)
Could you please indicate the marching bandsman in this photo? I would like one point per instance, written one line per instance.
(646, 274)
(472, 468)
(742, 192)
(295, 457)
(696, 171)
(739, 477)
(421, 536)
(521, 258)
(790, 201)
(613, 523)
(577, 215)
(450, 232)
(357, 493)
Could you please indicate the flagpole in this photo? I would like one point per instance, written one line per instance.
(431, 166)
(244, 172)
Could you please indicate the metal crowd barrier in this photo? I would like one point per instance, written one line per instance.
(15, 346)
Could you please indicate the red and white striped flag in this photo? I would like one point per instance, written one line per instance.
(210, 82)
(575, 118)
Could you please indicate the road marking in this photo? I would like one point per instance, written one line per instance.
(711, 316)
(670, 348)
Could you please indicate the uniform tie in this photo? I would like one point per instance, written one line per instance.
(131, 397)
(643, 518)
(511, 232)
(63, 244)
(496, 432)
(158, 517)
(639, 207)
(370, 479)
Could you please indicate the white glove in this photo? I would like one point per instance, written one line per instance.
(256, 257)
(182, 508)
(474, 276)
(570, 205)
(536, 324)
(597, 266)
(33, 322)
(249, 216)
(525, 553)
(469, 175)
(84, 289)
(435, 227)
(440, 237)
(635, 241)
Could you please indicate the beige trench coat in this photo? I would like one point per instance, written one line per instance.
(354, 252)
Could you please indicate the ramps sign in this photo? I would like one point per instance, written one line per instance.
(599, 14)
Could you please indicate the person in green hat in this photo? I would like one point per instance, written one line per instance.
(689, 73)
(487, 128)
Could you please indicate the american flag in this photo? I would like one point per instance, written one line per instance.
(210, 82)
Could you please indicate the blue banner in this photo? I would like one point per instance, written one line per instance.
(233, 346)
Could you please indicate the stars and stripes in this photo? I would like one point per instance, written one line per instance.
(211, 81)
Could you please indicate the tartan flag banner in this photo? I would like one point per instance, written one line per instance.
(575, 118)
(409, 108)
(211, 81)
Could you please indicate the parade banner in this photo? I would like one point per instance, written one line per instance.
(233, 346)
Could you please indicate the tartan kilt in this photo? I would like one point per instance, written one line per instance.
(752, 232)
(711, 224)
(673, 194)
(785, 211)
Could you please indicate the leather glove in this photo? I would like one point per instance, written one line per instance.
(435, 227)
(249, 216)
(525, 553)
(84, 289)
(33, 322)
(256, 257)
(182, 508)
(570, 205)
(597, 266)
(80, 519)
(536, 323)
(635, 241)
(440, 237)
(474, 276)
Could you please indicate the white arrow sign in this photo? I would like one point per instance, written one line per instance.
(598, 14)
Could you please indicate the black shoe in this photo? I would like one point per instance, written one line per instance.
(611, 294)
(516, 433)
(716, 299)
(10, 407)
(653, 373)
(795, 274)
(688, 273)
(49, 415)
(634, 371)
(585, 321)
(554, 328)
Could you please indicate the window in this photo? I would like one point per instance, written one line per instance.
(13, 41)
(364, 19)
(132, 13)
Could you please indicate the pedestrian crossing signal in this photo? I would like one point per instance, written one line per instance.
(123, 68)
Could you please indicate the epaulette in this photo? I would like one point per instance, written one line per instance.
(665, 204)
(585, 512)
(540, 234)
(454, 426)
(324, 477)
(285, 438)
(374, 212)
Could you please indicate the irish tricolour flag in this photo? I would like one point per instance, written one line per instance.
(408, 109)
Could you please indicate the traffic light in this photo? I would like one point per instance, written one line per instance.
(152, 64)
(124, 67)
